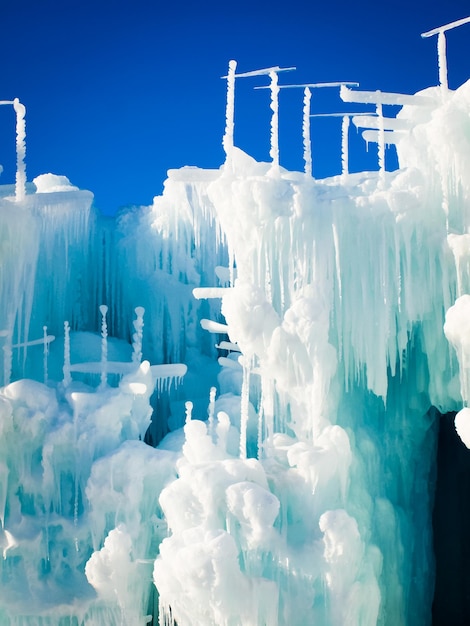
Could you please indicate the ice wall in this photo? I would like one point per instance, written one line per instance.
(301, 490)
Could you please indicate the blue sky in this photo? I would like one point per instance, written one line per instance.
(118, 92)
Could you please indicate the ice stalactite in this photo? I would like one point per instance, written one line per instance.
(20, 188)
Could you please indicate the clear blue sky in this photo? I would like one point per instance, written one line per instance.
(118, 92)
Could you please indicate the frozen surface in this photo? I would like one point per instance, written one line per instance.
(288, 480)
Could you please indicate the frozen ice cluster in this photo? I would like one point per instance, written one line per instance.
(221, 409)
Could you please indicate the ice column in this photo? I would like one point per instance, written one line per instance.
(104, 346)
(381, 142)
(344, 145)
(138, 335)
(274, 151)
(189, 410)
(230, 110)
(7, 361)
(442, 59)
(66, 370)
(211, 410)
(306, 132)
(45, 353)
(20, 188)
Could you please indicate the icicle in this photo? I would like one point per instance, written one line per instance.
(306, 132)
(274, 151)
(66, 370)
(137, 336)
(7, 361)
(337, 259)
(244, 408)
(259, 446)
(344, 145)
(267, 403)
(230, 110)
(45, 353)
(442, 60)
(211, 410)
(20, 188)
(189, 409)
(104, 346)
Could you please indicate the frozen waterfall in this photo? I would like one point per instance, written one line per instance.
(223, 409)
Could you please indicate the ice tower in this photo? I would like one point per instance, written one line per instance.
(224, 409)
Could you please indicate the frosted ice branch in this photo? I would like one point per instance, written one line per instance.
(441, 47)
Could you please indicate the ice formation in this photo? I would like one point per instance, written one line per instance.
(222, 409)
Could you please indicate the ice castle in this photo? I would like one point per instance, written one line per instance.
(230, 408)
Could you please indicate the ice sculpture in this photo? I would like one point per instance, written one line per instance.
(300, 337)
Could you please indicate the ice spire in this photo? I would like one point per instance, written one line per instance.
(20, 188)
(230, 110)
